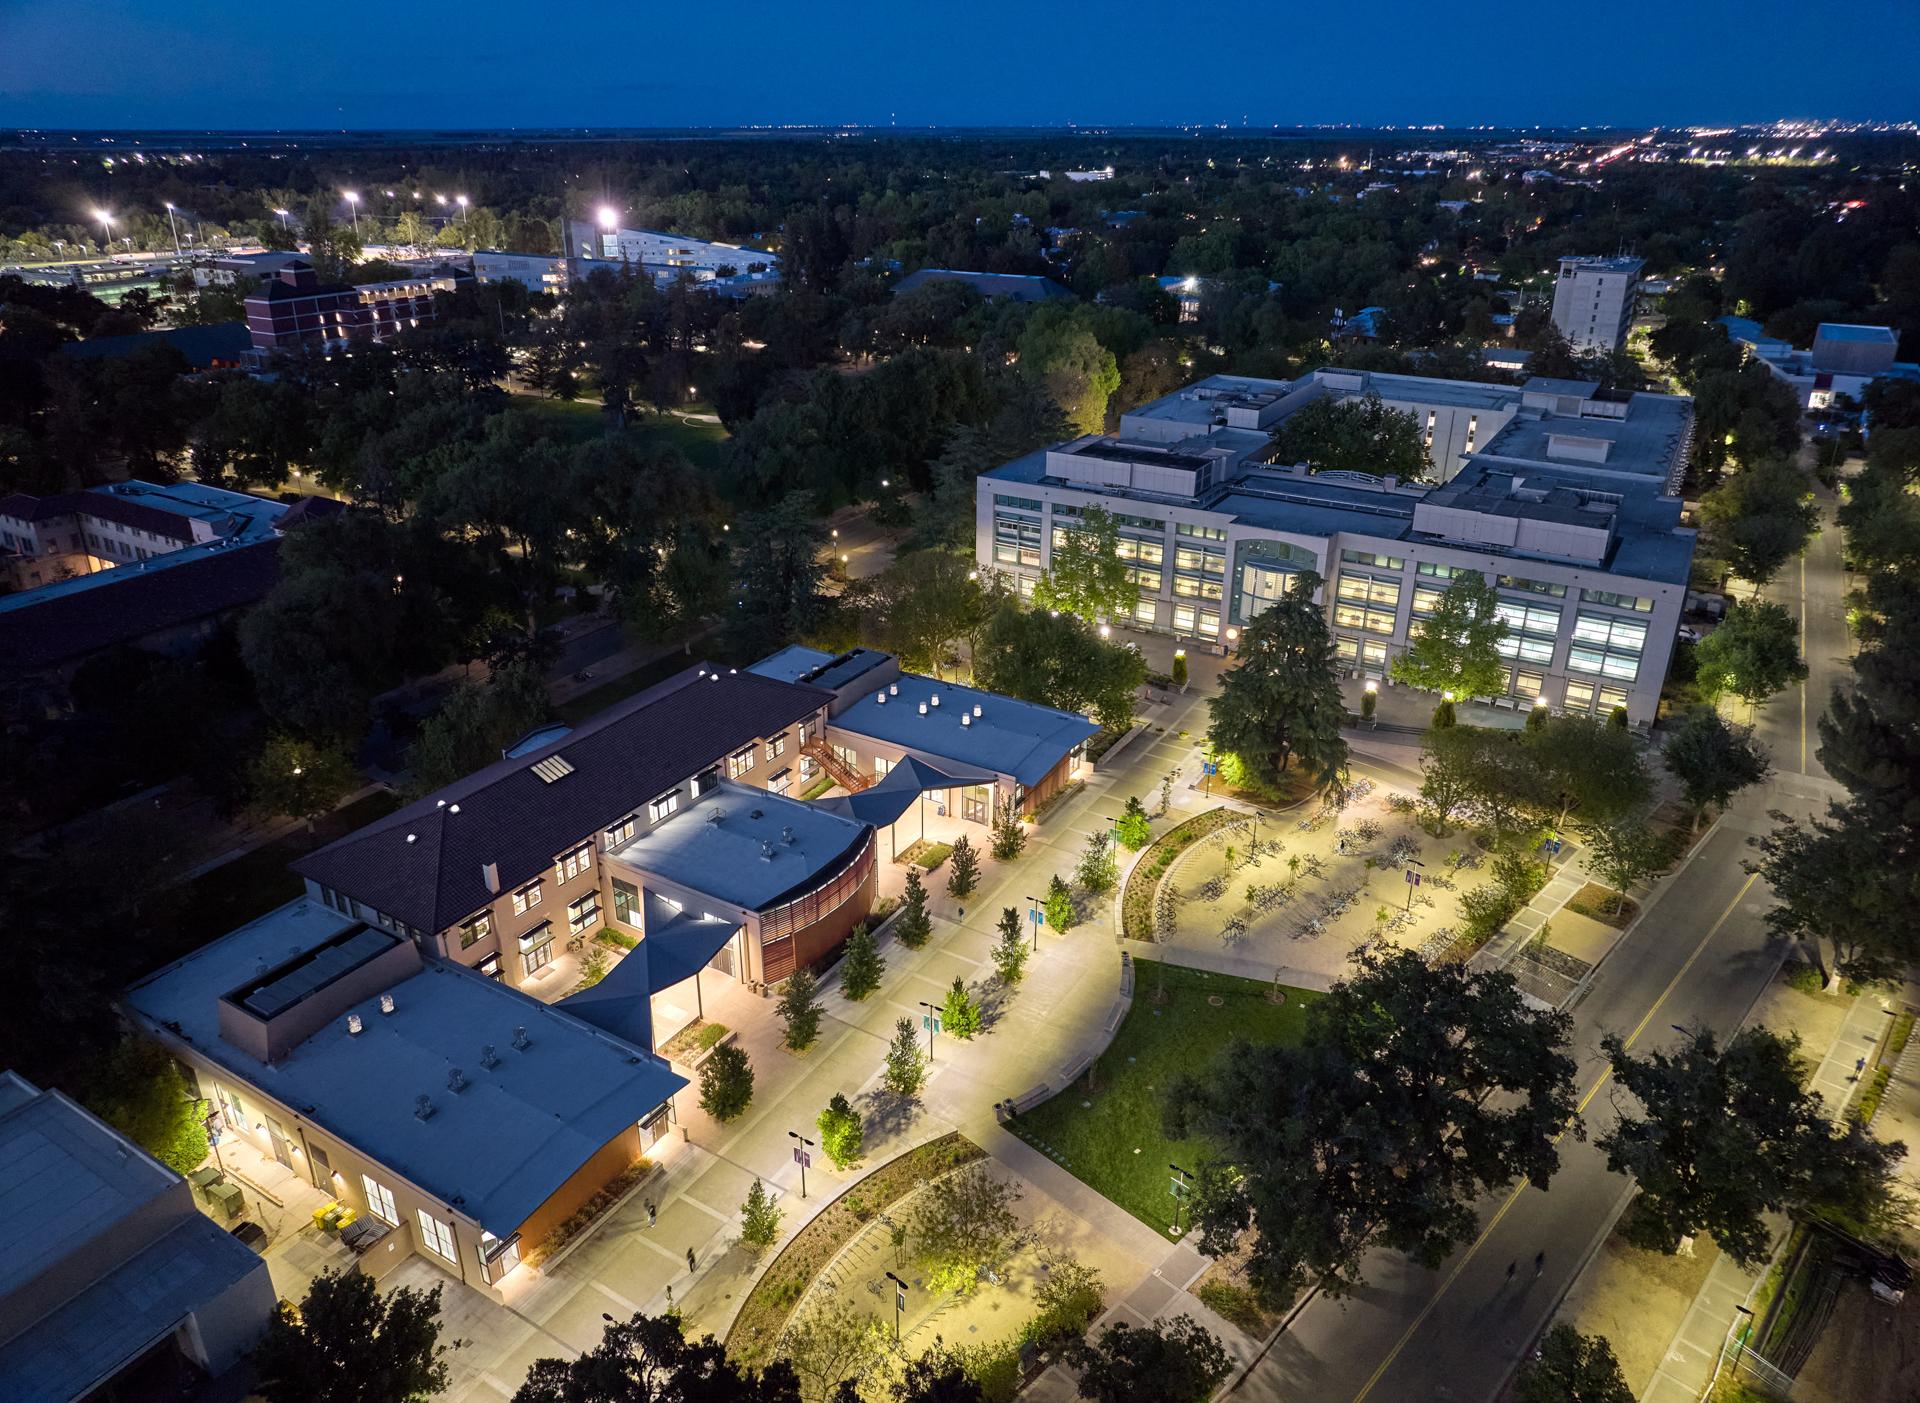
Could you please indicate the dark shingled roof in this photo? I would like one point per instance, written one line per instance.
(509, 816)
(127, 609)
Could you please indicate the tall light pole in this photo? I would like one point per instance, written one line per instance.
(175, 228)
(931, 1018)
(801, 1157)
(353, 203)
(1033, 919)
(461, 200)
(283, 218)
(106, 230)
(899, 1303)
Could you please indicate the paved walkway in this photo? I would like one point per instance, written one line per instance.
(1687, 1368)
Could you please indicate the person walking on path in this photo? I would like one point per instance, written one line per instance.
(653, 1214)
(690, 1265)
(1539, 1264)
(1512, 1267)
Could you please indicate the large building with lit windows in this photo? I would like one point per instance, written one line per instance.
(1561, 497)
(1593, 301)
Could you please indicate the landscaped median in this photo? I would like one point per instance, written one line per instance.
(764, 1314)
(1143, 879)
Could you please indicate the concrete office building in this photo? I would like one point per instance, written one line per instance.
(537, 272)
(1593, 301)
(47, 540)
(1843, 360)
(1562, 499)
(112, 1284)
(667, 256)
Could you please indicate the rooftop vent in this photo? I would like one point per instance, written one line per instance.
(786, 836)
(423, 1107)
(441, 804)
(413, 837)
(923, 708)
(490, 874)
(766, 851)
(353, 1024)
(386, 1003)
(965, 720)
(453, 808)
(934, 699)
(521, 1041)
(488, 1057)
(553, 768)
(881, 697)
(456, 1080)
(893, 689)
(976, 708)
(756, 813)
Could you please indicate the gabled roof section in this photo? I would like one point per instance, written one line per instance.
(426, 865)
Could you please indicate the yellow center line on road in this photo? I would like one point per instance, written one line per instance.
(1585, 1101)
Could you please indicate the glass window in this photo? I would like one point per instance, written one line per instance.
(1183, 618)
(780, 783)
(1626, 635)
(1610, 697)
(1529, 618)
(437, 1236)
(739, 763)
(1533, 586)
(528, 896)
(1634, 602)
(1347, 649)
(476, 929)
(1209, 623)
(1187, 588)
(666, 804)
(380, 1200)
(1372, 620)
(1579, 696)
(1145, 612)
(1533, 650)
(1148, 581)
(574, 863)
(1426, 599)
(621, 831)
(1202, 533)
(1364, 557)
(776, 747)
(1025, 504)
(583, 912)
(626, 903)
(1368, 589)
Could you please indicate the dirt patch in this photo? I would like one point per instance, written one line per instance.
(1596, 903)
(1636, 1299)
(1869, 1352)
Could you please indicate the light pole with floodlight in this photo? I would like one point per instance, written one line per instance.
(801, 1157)
(175, 228)
(106, 230)
(353, 203)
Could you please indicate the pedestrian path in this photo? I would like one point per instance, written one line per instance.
(1687, 1368)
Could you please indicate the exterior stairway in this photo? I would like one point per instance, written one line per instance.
(834, 767)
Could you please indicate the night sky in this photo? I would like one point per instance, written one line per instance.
(486, 63)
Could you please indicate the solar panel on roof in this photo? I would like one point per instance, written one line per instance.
(324, 965)
(552, 768)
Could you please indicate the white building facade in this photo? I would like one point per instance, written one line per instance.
(1593, 301)
(1562, 501)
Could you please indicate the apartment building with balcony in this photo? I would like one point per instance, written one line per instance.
(1561, 498)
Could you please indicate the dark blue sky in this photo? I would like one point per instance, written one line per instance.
(488, 63)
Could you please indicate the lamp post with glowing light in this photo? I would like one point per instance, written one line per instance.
(1369, 702)
(461, 200)
(175, 228)
(283, 218)
(353, 203)
(106, 230)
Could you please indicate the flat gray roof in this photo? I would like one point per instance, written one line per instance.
(743, 846)
(1008, 737)
(495, 1150)
(119, 1317)
(1643, 444)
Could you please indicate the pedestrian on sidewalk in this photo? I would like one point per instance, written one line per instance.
(690, 1263)
(1539, 1264)
(1512, 1267)
(653, 1214)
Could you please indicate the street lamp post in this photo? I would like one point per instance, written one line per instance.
(175, 228)
(353, 203)
(899, 1303)
(106, 230)
(801, 1157)
(461, 200)
(931, 1020)
(283, 219)
(1033, 919)
(1182, 1186)
(1413, 879)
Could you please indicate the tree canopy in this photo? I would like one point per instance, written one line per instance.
(1361, 435)
(1754, 653)
(1058, 660)
(1282, 702)
(1413, 1091)
(1457, 647)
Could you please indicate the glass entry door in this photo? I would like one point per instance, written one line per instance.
(976, 803)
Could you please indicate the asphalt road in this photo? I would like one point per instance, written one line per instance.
(1701, 955)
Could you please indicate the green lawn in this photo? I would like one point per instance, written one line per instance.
(1115, 1144)
(703, 445)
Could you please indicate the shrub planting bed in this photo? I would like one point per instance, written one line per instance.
(1136, 902)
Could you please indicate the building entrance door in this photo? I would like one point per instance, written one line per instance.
(976, 803)
(279, 1139)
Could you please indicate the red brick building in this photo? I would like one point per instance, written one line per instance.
(293, 308)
